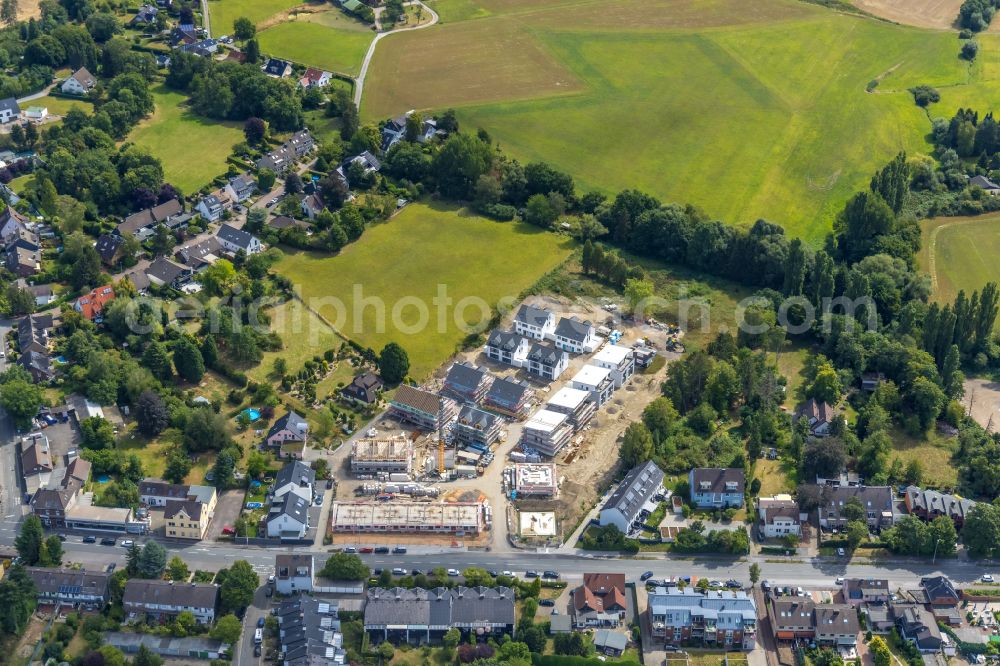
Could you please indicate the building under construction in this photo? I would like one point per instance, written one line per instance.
(386, 454)
(415, 517)
(546, 432)
(535, 480)
(574, 403)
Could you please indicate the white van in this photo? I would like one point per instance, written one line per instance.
(258, 636)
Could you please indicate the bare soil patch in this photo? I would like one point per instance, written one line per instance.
(982, 401)
(937, 14)
(27, 9)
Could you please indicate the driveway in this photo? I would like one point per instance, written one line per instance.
(243, 652)
(227, 510)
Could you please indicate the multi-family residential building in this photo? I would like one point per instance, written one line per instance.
(288, 517)
(186, 519)
(70, 587)
(507, 348)
(309, 633)
(929, 504)
(476, 426)
(288, 436)
(509, 397)
(155, 492)
(619, 360)
(634, 498)
(467, 383)
(535, 323)
(293, 573)
(370, 455)
(778, 516)
(213, 206)
(600, 601)
(546, 432)
(596, 381)
(545, 361)
(717, 488)
(411, 517)
(574, 403)
(575, 336)
(162, 600)
(880, 509)
(417, 616)
(797, 619)
(423, 409)
(535, 480)
(723, 619)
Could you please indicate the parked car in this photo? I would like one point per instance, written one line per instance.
(493, 573)
(89, 539)
(366, 550)
(646, 575)
(256, 650)
(509, 574)
(110, 568)
(454, 572)
(715, 583)
(734, 584)
(531, 574)
(416, 572)
(128, 543)
(382, 550)
(329, 484)
(399, 550)
(552, 575)
(108, 541)
(840, 580)
(350, 549)
(260, 622)
(547, 602)
(228, 529)
(398, 571)
(987, 578)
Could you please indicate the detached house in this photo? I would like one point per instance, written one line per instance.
(546, 361)
(145, 16)
(213, 206)
(507, 348)
(819, 415)
(534, 323)
(233, 240)
(79, 82)
(917, 624)
(23, 258)
(600, 601)
(241, 187)
(289, 435)
(575, 336)
(716, 488)
(467, 383)
(315, 78)
(110, 248)
(424, 409)
(163, 272)
(38, 365)
(312, 205)
(293, 573)
(476, 427)
(364, 389)
(12, 223)
(92, 305)
(277, 68)
(9, 110)
(186, 520)
(288, 517)
(778, 516)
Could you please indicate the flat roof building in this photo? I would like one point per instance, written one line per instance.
(535, 480)
(100, 518)
(574, 403)
(386, 454)
(546, 432)
(596, 381)
(619, 360)
(444, 517)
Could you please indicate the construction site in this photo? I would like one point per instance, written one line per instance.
(459, 519)
(387, 454)
(532, 480)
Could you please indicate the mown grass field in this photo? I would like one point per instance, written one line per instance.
(960, 253)
(336, 44)
(224, 12)
(403, 261)
(193, 149)
(60, 105)
(304, 335)
(746, 110)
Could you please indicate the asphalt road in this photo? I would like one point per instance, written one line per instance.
(11, 506)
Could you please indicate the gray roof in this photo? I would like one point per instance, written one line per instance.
(507, 390)
(160, 488)
(545, 354)
(235, 236)
(983, 182)
(473, 417)
(290, 420)
(139, 592)
(877, 499)
(504, 340)
(167, 646)
(938, 587)
(310, 633)
(242, 182)
(10, 104)
(295, 472)
(290, 505)
(615, 640)
(573, 328)
(717, 478)
(440, 607)
(275, 66)
(107, 246)
(637, 488)
(529, 314)
(465, 376)
(165, 270)
(53, 582)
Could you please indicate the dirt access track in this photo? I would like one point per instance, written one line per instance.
(937, 14)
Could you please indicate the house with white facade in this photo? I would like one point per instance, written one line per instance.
(293, 573)
(295, 477)
(288, 517)
(535, 323)
(164, 600)
(233, 240)
(575, 336)
(634, 498)
(596, 381)
(546, 361)
(778, 516)
(79, 82)
(507, 348)
(619, 360)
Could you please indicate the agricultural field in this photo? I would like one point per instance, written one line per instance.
(330, 41)
(193, 149)
(937, 14)
(750, 111)
(224, 12)
(405, 260)
(960, 253)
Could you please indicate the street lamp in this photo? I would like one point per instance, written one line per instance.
(934, 559)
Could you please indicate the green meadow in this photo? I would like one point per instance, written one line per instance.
(334, 43)
(193, 149)
(746, 111)
(406, 260)
(960, 253)
(224, 12)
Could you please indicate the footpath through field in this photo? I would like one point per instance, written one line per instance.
(359, 82)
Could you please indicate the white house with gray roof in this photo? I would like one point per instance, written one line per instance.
(475, 426)
(535, 323)
(575, 336)
(634, 498)
(288, 517)
(241, 187)
(233, 240)
(507, 348)
(546, 361)
(295, 477)
(9, 110)
(723, 619)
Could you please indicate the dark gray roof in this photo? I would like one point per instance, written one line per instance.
(310, 633)
(10, 104)
(440, 607)
(275, 67)
(107, 246)
(504, 340)
(573, 328)
(159, 488)
(837, 619)
(545, 354)
(140, 592)
(290, 420)
(235, 236)
(295, 472)
(165, 270)
(638, 486)
(507, 390)
(192, 508)
(939, 587)
(876, 499)
(291, 505)
(69, 581)
(465, 376)
(717, 478)
(471, 416)
(529, 314)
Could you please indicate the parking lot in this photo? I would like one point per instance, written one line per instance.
(227, 510)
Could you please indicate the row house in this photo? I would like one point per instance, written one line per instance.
(241, 187)
(309, 633)
(634, 498)
(163, 600)
(509, 397)
(722, 619)
(424, 409)
(467, 383)
(143, 224)
(213, 206)
(70, 587)
(929, 504)
(421, 616)
(477, 427)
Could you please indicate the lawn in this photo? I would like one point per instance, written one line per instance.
(775, 477)
(224, 12)
(304, 335)
(746, 111)
(933, 452)
(60, 105)
(337, 47)
(960, 253)
(193, 149)
(375, 289)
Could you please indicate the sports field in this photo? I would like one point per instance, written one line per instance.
(193, 150)
(405, 261)
(960, 253)
(747, 110)
(331, 41)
